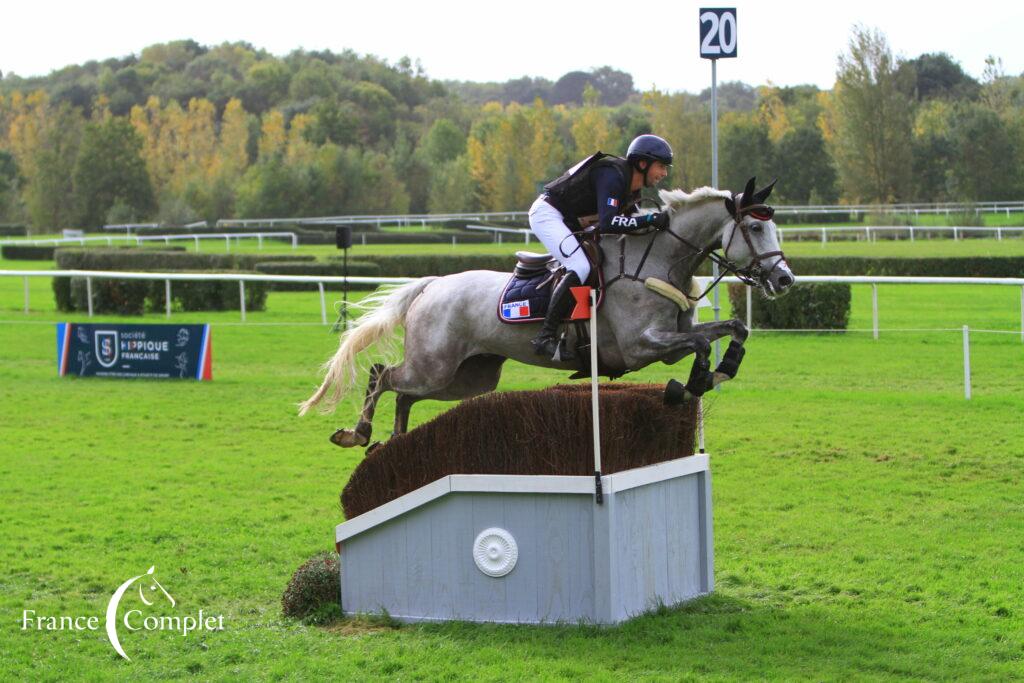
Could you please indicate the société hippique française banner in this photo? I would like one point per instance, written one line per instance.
(132, 351)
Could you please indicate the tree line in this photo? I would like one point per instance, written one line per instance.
(184, 132)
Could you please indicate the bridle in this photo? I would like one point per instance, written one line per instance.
(753, 274)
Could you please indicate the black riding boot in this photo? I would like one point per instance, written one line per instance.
(562, 302)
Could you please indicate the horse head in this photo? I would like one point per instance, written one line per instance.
(751, 241)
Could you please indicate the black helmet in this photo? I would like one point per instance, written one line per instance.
(650, 148)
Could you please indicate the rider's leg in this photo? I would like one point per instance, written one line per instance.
(549, 226)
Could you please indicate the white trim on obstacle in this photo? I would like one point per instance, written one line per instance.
(518, 483)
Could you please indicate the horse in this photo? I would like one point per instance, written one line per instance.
(455, 345)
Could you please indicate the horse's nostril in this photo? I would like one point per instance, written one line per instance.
(785, 281)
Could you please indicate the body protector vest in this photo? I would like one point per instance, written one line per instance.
(574, 195)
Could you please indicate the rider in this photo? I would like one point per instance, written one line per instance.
(601, 190)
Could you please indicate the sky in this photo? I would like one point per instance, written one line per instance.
(786, 42)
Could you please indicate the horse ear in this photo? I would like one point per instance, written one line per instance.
(761, 195)
(730, 206)
(748, 192)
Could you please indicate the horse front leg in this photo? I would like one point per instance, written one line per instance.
(360, 436)
(730, 363)
(671, 347)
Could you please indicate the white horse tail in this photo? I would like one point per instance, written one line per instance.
(385, 310)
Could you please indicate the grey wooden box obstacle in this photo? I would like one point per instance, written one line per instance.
(534, 549)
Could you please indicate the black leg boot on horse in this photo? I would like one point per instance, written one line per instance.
(547, 343)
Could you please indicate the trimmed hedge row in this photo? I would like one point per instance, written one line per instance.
(962, 266)
(811, 306)
(131, 258)
(334, 269)
(27, 252)
(421, 265)
(133, 297)
(13, 230)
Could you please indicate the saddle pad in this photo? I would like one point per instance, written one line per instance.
(524, 301)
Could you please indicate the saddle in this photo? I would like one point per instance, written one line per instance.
(526, 297)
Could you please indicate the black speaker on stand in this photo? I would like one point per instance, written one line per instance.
(343, 240)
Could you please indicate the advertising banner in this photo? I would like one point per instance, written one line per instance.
(157, 351)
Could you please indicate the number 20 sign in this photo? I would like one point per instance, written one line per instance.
(717, 32)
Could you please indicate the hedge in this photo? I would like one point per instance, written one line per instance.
(332, 268)
(27, 252)
(421, 265)
(964, 266)
(13, 230)
(811, 306)
(132, 297)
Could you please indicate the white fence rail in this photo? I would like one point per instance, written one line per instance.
(320, 280)
(166, 239)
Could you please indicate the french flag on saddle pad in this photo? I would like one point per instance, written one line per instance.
(513, 310)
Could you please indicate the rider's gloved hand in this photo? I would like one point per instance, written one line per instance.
(658, 219)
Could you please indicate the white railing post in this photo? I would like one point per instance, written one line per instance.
(594, 400)
(1022, 314)
(323, 303)
(259, 241)
(999, 234)
(967, 363)
(955, 237)
(911, 233)
(874, 311)
(88, 293)
(750, 310)
(197, 242)
(26, 294)
(295, 241)
(227, 242)
(824, 239)
(241, 298)
(167, 297)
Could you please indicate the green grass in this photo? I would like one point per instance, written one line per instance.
(868, 520)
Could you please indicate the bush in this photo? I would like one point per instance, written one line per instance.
(13, 230)
(961, 266)
(421, 265)
(132, 297)
(27, 252)
(333, 268)
(812, 306)
(313, 588)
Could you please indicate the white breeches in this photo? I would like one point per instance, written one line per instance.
(549, 226)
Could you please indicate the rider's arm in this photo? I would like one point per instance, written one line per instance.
(610, 185)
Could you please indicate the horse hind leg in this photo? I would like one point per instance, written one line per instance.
(475, 375)
(360, 436)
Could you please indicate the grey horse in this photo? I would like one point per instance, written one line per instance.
(455, 345)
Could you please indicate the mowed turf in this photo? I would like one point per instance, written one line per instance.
(869, 522)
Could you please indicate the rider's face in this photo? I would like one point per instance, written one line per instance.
(657, 173)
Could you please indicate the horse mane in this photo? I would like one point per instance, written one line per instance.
(675, 199)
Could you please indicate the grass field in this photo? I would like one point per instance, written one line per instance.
(868, 519)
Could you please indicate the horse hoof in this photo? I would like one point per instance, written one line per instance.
(347, 438)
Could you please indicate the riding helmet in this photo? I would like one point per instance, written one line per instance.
(649, 148)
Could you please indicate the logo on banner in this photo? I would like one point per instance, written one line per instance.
(514, 310)
(106, 347)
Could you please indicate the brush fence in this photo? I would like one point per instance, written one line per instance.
(533, 549)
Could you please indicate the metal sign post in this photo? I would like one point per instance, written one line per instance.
(594, 402)
(717, 41)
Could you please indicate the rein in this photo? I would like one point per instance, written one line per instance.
(748, 274)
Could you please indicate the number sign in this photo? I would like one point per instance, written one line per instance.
(717, 32)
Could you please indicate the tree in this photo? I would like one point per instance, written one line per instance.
(744, 150)
(872, 121)
(451, 188)
(10, 180)
(591, 128)
(804, 168)
(443, 142)
(110, 170)
(936, 75)
(985, 164)
(686, 123)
